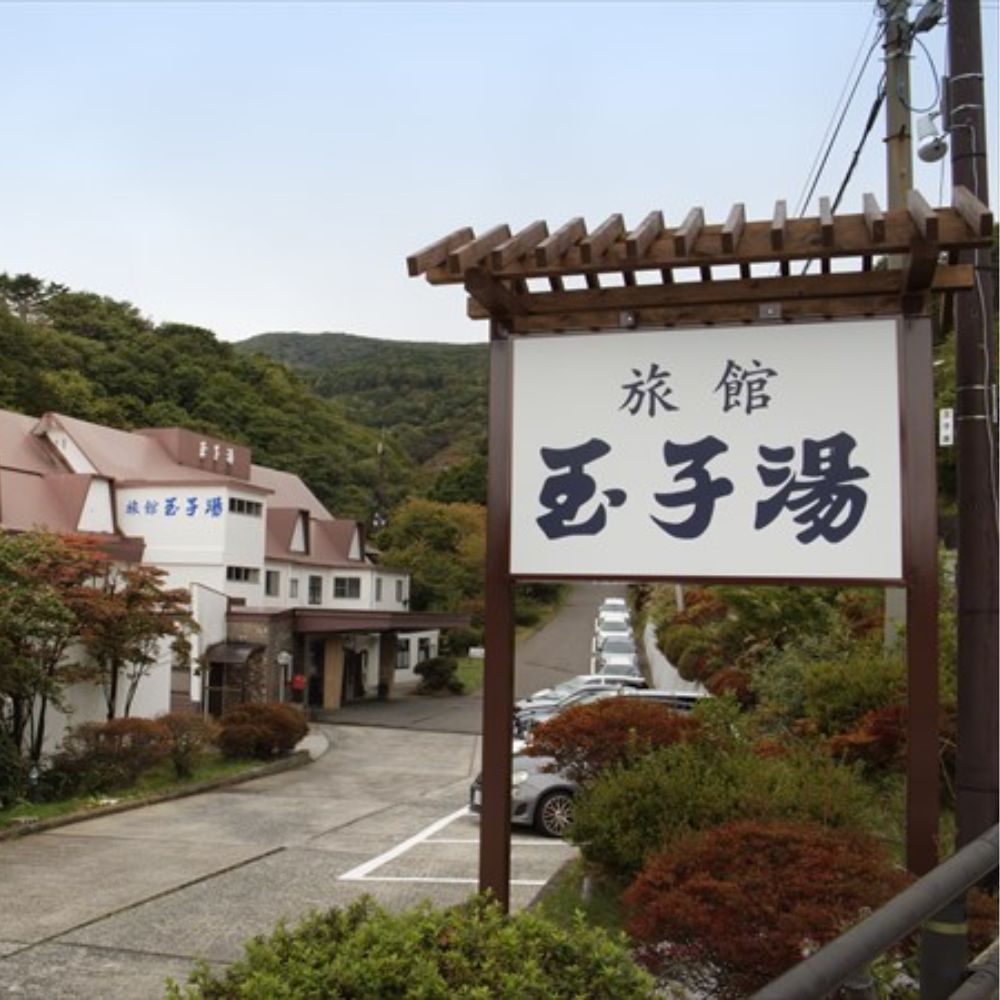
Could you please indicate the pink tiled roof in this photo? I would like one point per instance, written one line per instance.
(288, 491)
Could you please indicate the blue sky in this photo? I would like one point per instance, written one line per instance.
(252, 167)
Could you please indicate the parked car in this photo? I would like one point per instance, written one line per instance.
(554, 694)
(617, 655)
(539, 798)
(680, 701)
(613, 604)
(528, 718)
(605, 631)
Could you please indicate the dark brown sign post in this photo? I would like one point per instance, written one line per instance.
(614, 280)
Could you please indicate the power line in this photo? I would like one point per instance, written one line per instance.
(822, 156)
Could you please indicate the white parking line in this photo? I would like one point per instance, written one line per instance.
(362, 871)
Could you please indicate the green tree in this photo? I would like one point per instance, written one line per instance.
(26, 295)
(444, 548)
(128, 614)
(43, 596)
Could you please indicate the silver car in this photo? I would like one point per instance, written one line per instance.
(539, 798)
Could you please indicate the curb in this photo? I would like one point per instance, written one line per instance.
(298, 758)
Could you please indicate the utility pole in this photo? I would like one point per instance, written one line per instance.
(898, 146)
(899, 180)
(975, 440)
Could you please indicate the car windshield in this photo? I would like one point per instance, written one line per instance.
(618, 646)
(568, 687)
(615, 626)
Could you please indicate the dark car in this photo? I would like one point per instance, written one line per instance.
(539, 797)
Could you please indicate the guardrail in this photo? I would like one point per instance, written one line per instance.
(936, 904)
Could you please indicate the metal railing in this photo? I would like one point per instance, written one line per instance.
(936, 904)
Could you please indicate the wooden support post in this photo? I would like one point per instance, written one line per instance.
(498, 687)
(920, 558)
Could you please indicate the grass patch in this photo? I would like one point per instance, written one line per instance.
(470, 673)
(157, 781)
(599, 901)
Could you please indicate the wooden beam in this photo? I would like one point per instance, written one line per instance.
(493, 295)
(593, 246)
(552, 249)
(686, 235)
(519, 244)
(472, 254)
(924, 217)
(826, 222)
(437, 252)
(733, 229)
(778, 222)
(729, 313)
(641, 238)
(975, 213)
(874, 219)
(694, 294)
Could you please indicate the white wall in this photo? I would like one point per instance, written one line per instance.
(97, 510)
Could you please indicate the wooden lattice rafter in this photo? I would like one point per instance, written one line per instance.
(652, 275)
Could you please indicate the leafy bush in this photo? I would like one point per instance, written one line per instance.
(467, 952)
(458, 641)
(629, 813)
(104, 756)
(729, 909)
(261, 729)
(587, 739)
(438, 675)
(191, 735)
(13, 771)
(674, 640)
(839, 691)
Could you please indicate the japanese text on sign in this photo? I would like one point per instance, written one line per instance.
(711, 452)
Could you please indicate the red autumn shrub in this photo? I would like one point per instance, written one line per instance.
(731, 680)
(261, 729)
(878, 741)
(731, 908)
(586, 739)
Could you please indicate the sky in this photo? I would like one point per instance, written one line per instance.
(251, 167)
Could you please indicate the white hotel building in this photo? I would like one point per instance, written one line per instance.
(290, 602)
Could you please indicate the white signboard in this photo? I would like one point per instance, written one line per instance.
(764, 451)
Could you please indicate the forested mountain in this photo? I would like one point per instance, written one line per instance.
(428, 398)
(98, 359)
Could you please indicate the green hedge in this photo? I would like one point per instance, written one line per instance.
(467, 952)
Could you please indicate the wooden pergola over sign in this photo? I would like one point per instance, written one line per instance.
(825, 266)
(772, 271)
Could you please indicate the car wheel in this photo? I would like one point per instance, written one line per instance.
(554, 815)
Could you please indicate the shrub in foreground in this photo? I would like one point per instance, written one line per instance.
(191, 734)
(438, 675)
(261, 729)
(467, 952)
(730, 909)
(105, 756)
(629, 813)
(588, 739)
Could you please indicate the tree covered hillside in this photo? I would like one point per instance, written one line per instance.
(98, 359)
(430, 399)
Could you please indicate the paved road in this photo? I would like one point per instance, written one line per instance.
(106, 909)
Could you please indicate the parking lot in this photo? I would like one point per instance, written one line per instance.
(109, 907)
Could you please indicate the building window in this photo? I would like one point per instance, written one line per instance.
(378, 589)
(242, 574)
(347, 586)
(272, 583)
(293, 587)
(402, 654)
(237, 505)
(315, 590)
(423, 650)
(399, 591)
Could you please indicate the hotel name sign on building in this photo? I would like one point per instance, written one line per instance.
(747, 453)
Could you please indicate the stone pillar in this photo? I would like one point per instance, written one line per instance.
(386, 662)
(333, 673)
